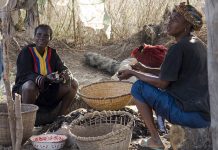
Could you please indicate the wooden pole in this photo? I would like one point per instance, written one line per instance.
(32, 19)
(211, 11)
(6, 75)
(74, 20)
(19, 122)
(11, 119)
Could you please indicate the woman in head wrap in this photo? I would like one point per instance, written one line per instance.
(180, 92)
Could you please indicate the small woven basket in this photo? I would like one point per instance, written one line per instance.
(28, 115)
(107, 95)
(111, 130)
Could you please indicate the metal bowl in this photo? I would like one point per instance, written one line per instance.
(48, 141)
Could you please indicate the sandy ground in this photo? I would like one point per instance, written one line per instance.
(74, 59)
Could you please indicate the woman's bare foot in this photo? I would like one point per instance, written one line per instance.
(152, 143)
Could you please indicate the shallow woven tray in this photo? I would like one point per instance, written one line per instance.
(28, 116)
(107, 95)
(107, 130)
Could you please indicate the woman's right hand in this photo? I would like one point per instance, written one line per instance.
(139, 67)
(124, 74)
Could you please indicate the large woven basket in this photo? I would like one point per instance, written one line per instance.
(107, 95)
(111, 130)
(28, 115)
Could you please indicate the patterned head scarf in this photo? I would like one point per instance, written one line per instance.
(191, 14)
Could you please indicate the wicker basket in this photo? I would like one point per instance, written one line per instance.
(111, 130)
(28, 116)
(107, 95)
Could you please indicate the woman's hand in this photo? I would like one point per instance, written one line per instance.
(124, 74)
(139, 67)
(42, 82)
(65, 75)
(68, 79)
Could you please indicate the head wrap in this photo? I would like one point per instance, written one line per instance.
(191, 14)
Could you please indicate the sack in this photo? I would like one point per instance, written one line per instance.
(151, 56)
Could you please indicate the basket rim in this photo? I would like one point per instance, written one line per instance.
(88, 115)
(6, 113)
(100, 98)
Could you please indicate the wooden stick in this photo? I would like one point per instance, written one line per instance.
(10, 103)
(17, 44)
(19, 122)
(11, 120)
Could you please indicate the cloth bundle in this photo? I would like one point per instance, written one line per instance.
(149, 55)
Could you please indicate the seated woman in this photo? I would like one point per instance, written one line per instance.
(180, 92)
(152, 56)
(42, 78)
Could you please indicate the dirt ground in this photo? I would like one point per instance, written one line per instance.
(74, 59)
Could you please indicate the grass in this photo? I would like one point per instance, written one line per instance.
(127, 17)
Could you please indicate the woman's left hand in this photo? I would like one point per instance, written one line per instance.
(66, 75)
(124, 74)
